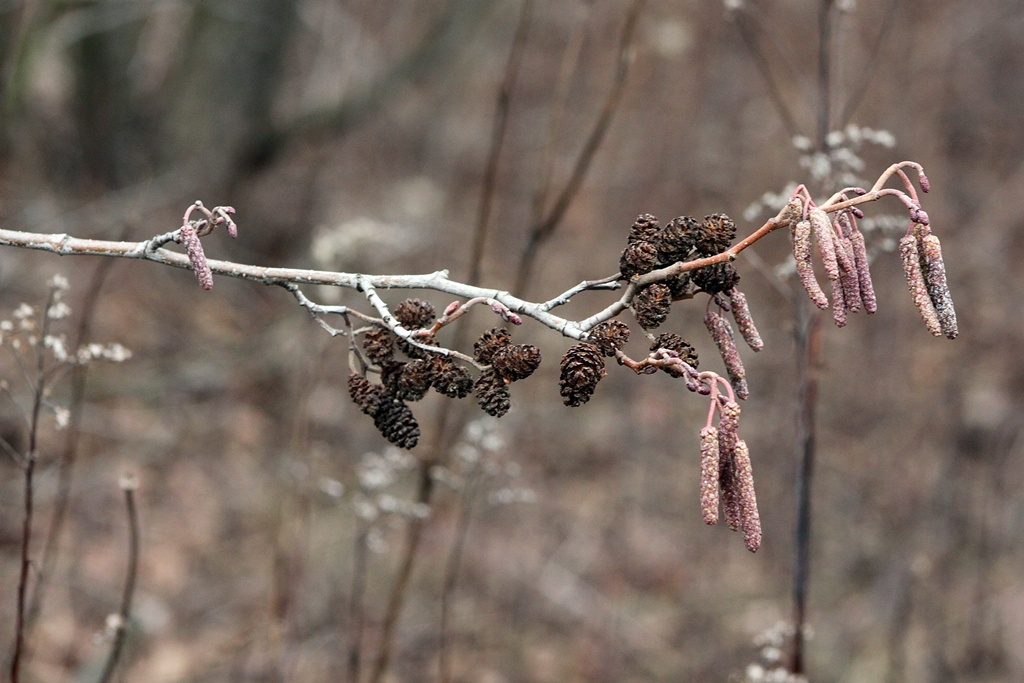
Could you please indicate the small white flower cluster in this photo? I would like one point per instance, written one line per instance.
(770, 669)
(840, 161)
(482, 453)
(29, 328)
(375, 473)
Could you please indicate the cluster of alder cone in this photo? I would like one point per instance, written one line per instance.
(650, 246)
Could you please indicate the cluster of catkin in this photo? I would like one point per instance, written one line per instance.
(726, 475)
(191, 230)
(844, 256)
(845, 260)
(921, 254)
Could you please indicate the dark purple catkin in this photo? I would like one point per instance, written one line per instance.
(824, 236)
(938, 288)
(801, 234)
(196, 256)
(911, 258)
(744, 321)
(709, 474)
(730, 491)
(860, 262)
(848, 274)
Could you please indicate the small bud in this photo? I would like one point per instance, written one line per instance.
(451, 308)
(859, 191)
(926, 185)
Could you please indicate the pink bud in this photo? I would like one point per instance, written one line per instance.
(926, 185)
(451, 308)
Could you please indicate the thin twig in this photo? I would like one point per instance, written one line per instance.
(69, 456)
(508, 84)
(356, 609)
(128, 483)
(763, 67)
(540, 232)
(424, 490)
(29, 470)
(451, 573)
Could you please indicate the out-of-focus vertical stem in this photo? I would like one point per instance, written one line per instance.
(808, 337)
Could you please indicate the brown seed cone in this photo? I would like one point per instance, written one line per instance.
(744, 321)
(715, 234)
(609, 336)
(721, 333)
(489, 342)
(415, 351)
(721, 277)
(365, 394)
(680, 286)
(824, 236)
(651, 305)
(860, 261)
(415, 313)
(196, 256)
(390, 374)
(582, 368)
(730, 492)
(673, 342)
(414, 380)
(709, 474)
(938, 288)
(645, 228)
(750, 519)
(801, 234)
(516, 361)
(396, 423)
(450, 378)
(492, 394)
(677, 239)
(916, 284)
(379, 345)
(638, 257)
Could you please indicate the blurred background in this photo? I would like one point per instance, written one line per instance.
(357, 136)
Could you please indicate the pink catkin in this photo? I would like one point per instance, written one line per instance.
(838, 304)
(741, 313)
(860, 261)
(196, 256)
(938, 288)
(825, 236)
(801, 234)
(709, 474)
(848, 274)
(721, 333)
(750, 519)
(916, 284)
(731, 506)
